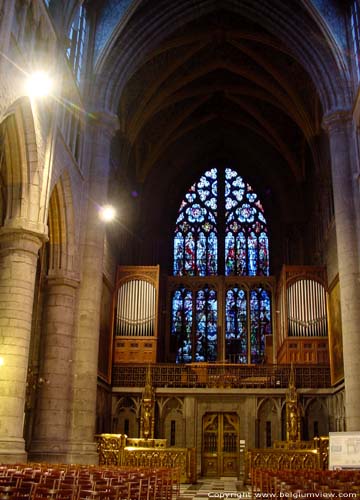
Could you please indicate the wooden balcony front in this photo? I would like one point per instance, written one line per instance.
(221, 375)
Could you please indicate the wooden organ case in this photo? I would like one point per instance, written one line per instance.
(302, 326)
(135, 314)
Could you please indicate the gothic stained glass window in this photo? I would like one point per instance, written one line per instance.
(206, 325)
(221, 230)
(246, 241)
(182, 314)
(195, 241)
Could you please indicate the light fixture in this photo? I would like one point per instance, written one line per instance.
(2, 361)
(39, 84)
(107, 213)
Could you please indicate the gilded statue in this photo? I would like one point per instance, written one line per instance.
(147, 409)
(292, 410)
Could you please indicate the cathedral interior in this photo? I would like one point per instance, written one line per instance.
(179, 225)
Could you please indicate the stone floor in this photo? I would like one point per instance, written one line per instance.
(222, 488)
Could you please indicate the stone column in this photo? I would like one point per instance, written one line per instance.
(340, 128)
(85, 357)
(18, 260)
(51, 441)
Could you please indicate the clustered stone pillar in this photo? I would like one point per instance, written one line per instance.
(18, 260)
(341, 131)
(51, 430)
(85, 355)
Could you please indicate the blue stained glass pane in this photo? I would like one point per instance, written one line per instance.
(244, 216)
(264, 254)
(241, 254)
(206, 325)
(203, 183)
(201, 255)
(252, 255)
(214, 189)
(180, 218)
(238, 196)
(261, 218)
(251, 197)
(197, 222)
(189, 254)
(212, 255)
(178, 254)
(190, 197)
(196, 213)
(246, 213)
(227, 190)
(236, 326)
(229, 254)
(211, 203)
(212, 219)
(203, 194)
(181, 325)
(260, 323)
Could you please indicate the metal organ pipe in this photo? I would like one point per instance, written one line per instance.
(136, 309)
(306, 309)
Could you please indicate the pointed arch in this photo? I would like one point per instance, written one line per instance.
(268, 418)
(22, 172)
(62, 255)
(317, 418)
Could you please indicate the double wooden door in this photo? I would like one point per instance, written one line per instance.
(220, 444)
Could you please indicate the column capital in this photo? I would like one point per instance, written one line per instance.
(335, 120)
(66, 278)
(12, 239)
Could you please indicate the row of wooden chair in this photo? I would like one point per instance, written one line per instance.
(306, 483)
(70, 482)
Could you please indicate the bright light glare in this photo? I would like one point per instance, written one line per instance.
(2, 362)
(107, 213)
(39, 84)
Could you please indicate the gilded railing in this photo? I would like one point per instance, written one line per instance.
(110, 448)
(113, 449)
(221, 375)
(182, 458)
(320, 444)
(279, 459)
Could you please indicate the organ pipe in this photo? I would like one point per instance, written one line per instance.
(136, 309)
(307, 309)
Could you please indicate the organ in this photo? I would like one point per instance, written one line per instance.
(302, 326)
(135, 314)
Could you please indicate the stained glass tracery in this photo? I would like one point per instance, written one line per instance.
(195, 241)
(246, 240)
(221, 219)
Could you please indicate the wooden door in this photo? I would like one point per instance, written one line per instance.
(220, 449)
